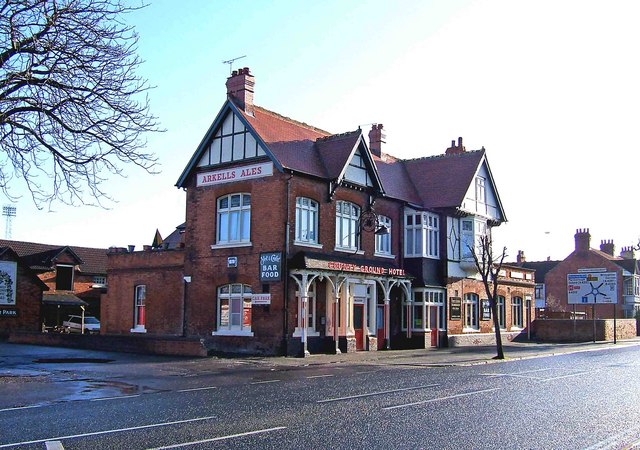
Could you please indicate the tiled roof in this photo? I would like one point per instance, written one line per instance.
(335, 151)
(442, 181)
(38, 256)
(541, 268)
(396, 181)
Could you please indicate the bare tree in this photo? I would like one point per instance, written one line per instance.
(72, 108)
(489, 268)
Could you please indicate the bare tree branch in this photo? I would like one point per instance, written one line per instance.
(72, 108)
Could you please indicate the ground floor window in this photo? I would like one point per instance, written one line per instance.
(139, 299)
(427, 310)
(502, 312)
(471, 311)
(234, 309)
(516, 312)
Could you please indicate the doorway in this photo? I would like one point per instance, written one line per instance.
(358, 325)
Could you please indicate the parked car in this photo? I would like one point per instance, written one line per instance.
(74, 325)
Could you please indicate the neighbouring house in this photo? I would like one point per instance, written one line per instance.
(298, 241)
(20, 294)
(592, 281)
(76, 277)
(540, 297)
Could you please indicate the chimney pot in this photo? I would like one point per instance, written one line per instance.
(376, 139)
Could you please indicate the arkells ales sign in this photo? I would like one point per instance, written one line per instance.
(235, 174)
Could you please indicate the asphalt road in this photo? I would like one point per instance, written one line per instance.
(585, 400)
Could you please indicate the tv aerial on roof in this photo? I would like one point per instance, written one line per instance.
(230, 62)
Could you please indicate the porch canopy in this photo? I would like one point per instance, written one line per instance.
(307, 267)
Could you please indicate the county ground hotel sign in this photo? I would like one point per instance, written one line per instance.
(235, 174)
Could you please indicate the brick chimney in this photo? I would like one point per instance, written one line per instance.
(628, 253)
(240, 89)
(607, 247)
(376, 139)
(583, 240)
(521, 258)
(455, 149)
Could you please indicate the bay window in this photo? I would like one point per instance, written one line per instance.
(422, 235)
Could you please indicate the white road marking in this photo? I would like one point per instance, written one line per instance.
(98, 433)
(565, 376)
(113, 398)
(198, 389)
(618, 440)
(319, 376)
(514, 374)
(266, 381)
(465, 394)
(21, 407)
(53, 445)
(371, 394)
(221, 438)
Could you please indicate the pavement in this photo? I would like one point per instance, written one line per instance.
(16, 359)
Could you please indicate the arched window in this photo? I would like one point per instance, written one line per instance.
(502, 312)
(471, 311)
(234, 309)
(234, 219)
(347, 226)
(516, 312)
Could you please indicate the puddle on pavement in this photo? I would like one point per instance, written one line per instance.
(93, 389)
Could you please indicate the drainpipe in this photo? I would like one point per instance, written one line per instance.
(286, 266)
(187, 280)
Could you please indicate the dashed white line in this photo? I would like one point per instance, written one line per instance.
(371, 394)
(21, 407)
(198, 389)
(98, 433)
(221, 438)
(113, 398)
(432, 400)
(266, 381)
(320, 376)
(565, 376)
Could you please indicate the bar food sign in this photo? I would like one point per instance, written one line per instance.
(235, 174)
(270, 266)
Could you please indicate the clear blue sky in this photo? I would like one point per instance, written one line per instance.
(549, 88)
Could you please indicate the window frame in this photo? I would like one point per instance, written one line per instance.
(422, 234)
(383, 241)
(226, 214)
(517, 312)
(471, 315)
(312, 212)
(139, 308)
(352, 220)
(502, 311)
(226, 294)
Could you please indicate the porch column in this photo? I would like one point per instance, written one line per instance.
(336, 282)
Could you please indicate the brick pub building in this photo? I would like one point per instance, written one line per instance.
(299, 241)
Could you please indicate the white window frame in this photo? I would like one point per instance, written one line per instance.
(424, 300)
(307, 213)
(517, 312)
(233, 295)
(347, 226)
(481, 194)
(139, 303)
(225, 214)
(422, 234)
(471, 304)
(470, 237)
(383, 241)
(502, 311)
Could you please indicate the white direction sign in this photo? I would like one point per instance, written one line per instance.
(590, 288)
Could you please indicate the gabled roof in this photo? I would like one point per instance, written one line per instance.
(396, 181)
(442, 181)
(41, 257)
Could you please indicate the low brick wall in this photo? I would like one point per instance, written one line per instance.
(483, 339)
(558, 330)
(175, 346)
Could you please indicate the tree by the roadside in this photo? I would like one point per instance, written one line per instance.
(489, 267)
(72, 108)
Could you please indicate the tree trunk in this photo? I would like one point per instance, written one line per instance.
(496, 327)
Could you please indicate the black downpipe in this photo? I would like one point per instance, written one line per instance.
(285, 271)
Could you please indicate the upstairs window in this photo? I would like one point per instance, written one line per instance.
(64, 277)
(347, 226)
(357, 171)
(232, 142)
(383, 241)
(306, 221)
(472, 230)
(234, 219)
(422, 235)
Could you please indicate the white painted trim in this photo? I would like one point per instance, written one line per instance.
(231, 245)
(307, 244)
(232, 333)
(138, 329)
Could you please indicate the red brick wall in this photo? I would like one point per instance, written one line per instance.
(556, 283)
(28, 305)
(162, 273)
(582, 330)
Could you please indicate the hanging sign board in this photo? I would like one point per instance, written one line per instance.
(8, 281)
(261, 299)
(588, 288)
(455, 308)
(270, 266)
(486, 309)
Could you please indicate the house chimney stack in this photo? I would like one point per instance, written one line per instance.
(376, 139)
(583, 240)
(628, 253)
(521, 258)
(608, 247)
(240, 89)
(455, 149)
